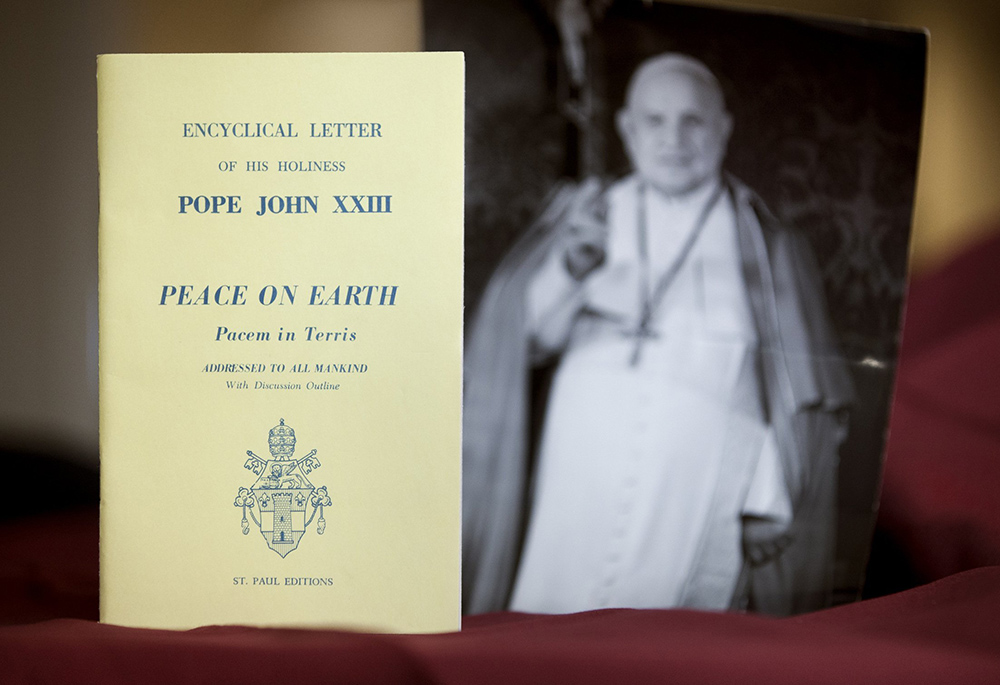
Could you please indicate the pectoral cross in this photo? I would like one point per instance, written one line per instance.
(650, 301)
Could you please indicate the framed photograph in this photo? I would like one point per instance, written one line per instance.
(686, 245)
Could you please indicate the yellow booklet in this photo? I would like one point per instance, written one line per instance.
(281, 339)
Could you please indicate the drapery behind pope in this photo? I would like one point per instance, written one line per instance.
(689, 451)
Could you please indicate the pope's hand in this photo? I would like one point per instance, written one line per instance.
(764, 539)
(586, 230)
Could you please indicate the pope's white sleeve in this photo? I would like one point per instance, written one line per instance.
(553, 300)
(768, 495)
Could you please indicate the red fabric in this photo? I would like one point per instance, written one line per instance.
(941, 492)
(948, 632)
(940, 507)
(48, 568)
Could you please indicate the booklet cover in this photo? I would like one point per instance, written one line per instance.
(281, 339)
(687, 233)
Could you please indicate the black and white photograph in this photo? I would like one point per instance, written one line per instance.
(686, 247)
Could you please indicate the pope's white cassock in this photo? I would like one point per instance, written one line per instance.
(697, 387)
(653, 437)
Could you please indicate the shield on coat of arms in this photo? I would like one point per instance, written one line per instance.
(283, 495)
(282, 500)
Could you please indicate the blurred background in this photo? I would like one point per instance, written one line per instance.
(48, 291)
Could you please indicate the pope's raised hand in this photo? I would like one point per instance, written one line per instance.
(586, 230)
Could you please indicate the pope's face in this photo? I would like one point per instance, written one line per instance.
(675, 130)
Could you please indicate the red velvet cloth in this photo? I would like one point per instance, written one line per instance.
(941, 490)
(948, 632)
(940, 508)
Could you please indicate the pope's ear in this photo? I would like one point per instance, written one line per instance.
(727, 126)
(624, 124)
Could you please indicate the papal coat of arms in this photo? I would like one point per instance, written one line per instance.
(283, 495)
